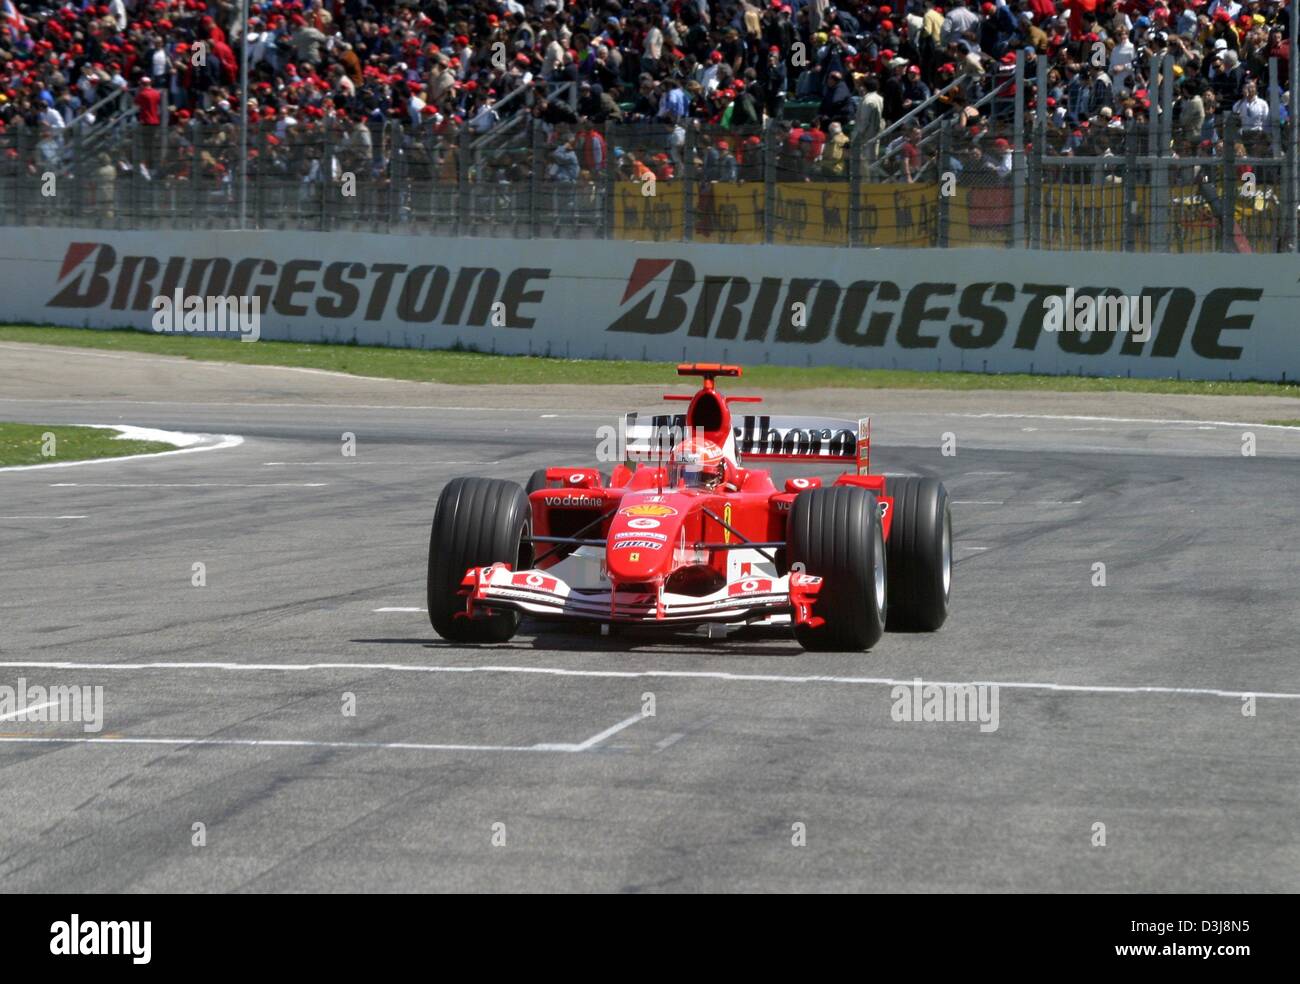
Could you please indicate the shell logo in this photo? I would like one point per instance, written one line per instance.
(648, 509)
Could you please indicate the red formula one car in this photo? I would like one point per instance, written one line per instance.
(685, 532)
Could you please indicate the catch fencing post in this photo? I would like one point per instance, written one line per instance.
(1129, 186)
(1292, 198)
(1018, 155)
(611, 183)
(1036, 160)
(1228, 193)
(464, 211)
(769, 183)
(855, 188)
(945, 156)
(1167, 162)
(688, 185)
(534, 181)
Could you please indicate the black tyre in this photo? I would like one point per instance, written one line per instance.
(478, 521)
(537, 480)
(836, 534)
(920, 554)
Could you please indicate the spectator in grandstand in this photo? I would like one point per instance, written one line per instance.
(564, 165)
(323, 68)
(1252, 111)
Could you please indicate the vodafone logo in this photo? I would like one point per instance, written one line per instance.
(643, 523)
(801, 483)
(752, 585)
(532, 579)
(573, 501)
(577, 478)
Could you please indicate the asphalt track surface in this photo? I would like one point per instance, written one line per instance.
(1121, 705)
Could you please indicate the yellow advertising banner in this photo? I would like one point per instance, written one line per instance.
(899, 214)
(816, 213)
(804, 213)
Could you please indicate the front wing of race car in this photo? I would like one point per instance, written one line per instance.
(542, 595)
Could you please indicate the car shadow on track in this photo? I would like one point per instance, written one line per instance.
(547, 637)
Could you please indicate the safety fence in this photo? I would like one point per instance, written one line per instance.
(1126, 189)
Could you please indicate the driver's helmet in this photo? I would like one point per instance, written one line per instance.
(697, 464)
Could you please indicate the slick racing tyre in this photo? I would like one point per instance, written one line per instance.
(836, 534)
(479, 521)
(920, 554)
(537, 480)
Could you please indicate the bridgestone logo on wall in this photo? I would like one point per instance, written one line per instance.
(418, 293)
(874, 313)
(1213, 316)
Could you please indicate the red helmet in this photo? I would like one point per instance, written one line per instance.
(697, 464)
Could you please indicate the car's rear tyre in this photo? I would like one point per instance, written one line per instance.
(920, 553)
(836, 534)
(537, 480)
(478, 521)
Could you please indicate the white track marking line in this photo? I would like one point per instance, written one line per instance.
(353, 462)
(24, 711)
(7, 518)
(568, 747)
(610, 732)
(281, 743)
(1113, 420)
(188, 485)
(644, 674)
(539, 411)
(401, 610)
(224, 441)
(1030, 502)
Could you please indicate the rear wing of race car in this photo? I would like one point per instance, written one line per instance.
(759, 437)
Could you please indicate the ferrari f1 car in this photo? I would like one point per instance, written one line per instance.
(686, 532)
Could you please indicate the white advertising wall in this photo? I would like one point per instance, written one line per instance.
(1212, 316)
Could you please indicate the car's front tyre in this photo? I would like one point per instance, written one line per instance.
(478, 521)
(835, 533)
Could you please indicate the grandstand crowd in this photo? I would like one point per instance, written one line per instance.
(828, 76)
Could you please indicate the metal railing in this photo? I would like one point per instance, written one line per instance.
(1125, 188)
